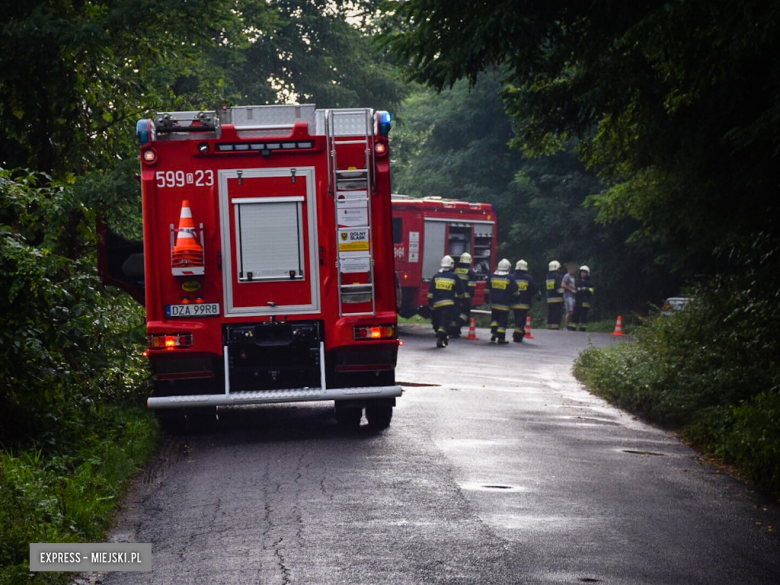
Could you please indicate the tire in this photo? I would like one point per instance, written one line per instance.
(379, 416)
(348, 417)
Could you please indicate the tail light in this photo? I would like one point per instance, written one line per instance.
(168, 341)
(366, 333)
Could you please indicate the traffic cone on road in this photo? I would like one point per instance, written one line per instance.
(472, 329)
(187, 252)
(528, 334)
(618, 332)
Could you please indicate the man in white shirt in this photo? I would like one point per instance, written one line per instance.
(569, 285)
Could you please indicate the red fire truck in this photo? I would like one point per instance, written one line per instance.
(267, 259)
(426, 229)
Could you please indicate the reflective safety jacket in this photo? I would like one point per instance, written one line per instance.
(501, 291)
(584, 292)
(526, 289)
(469, 279)
(554, 287)
(445, 289)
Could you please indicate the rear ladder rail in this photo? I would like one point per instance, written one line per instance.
(343, 128)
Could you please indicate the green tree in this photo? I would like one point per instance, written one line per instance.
(674, 102)
(75, 76)
(456, 144)
(317, 51)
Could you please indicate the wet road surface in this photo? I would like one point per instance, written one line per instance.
(498, 468)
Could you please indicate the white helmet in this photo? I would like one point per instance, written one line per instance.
(585, 268)
(554, 265)
(447, 262)
(504, 265)
(465, 258)
(521, 265)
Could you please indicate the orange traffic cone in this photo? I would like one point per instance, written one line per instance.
(618, 332)
(472, 329)
(528, 334)
(187, 252)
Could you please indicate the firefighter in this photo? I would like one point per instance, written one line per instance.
(526, 289)
(444, 295)
(554, 295)
(584, 296)
(469, 280)
(500, 293)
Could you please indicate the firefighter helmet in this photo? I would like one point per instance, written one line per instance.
(554, 265)
(585, 268)
(465, 258)
(504, 265)
(521, 265)
(447, 262)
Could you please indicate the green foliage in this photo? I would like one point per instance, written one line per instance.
(64, 340)
(711, 369)
(455, 144)
(76, 76)
(69, 497)
(673, 101)
(310, 51)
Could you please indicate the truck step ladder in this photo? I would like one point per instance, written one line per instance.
(351, 188)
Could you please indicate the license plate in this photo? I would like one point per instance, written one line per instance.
(193, 310)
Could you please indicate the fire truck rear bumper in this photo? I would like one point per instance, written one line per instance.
(274, 396)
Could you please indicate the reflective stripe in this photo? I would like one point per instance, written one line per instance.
(555, 300)
(499, 307)
(464, 317)
(444, 303)
(501, 330)
(522, 307)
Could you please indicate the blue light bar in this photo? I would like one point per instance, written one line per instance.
(385, 122)
(143, 131)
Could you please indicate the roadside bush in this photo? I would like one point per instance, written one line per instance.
(69, 497)
(710, 370)
(65, 341)
(71, 371)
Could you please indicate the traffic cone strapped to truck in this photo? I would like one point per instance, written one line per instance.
(187, 253)
(297, 303)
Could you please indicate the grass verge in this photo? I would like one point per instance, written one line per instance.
(69, 496)
(710, 371)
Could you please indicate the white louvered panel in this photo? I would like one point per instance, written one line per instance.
(270, 239)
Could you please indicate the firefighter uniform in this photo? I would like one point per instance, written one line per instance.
(583, 300)
(444, 295)
(526, 289)
(469, 280)
(501, 293)
(554, 287)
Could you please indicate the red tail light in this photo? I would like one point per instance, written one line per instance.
(365, 333)
(166, 341)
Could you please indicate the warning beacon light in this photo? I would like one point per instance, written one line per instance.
(385, 121)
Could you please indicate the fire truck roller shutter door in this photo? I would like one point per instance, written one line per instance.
(435, 241)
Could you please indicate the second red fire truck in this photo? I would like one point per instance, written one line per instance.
(267, 263)
(426, 229)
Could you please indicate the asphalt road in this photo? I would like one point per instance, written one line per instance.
(498, 468)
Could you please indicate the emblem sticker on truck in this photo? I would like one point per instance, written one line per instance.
(193, 310)
(354, 240)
